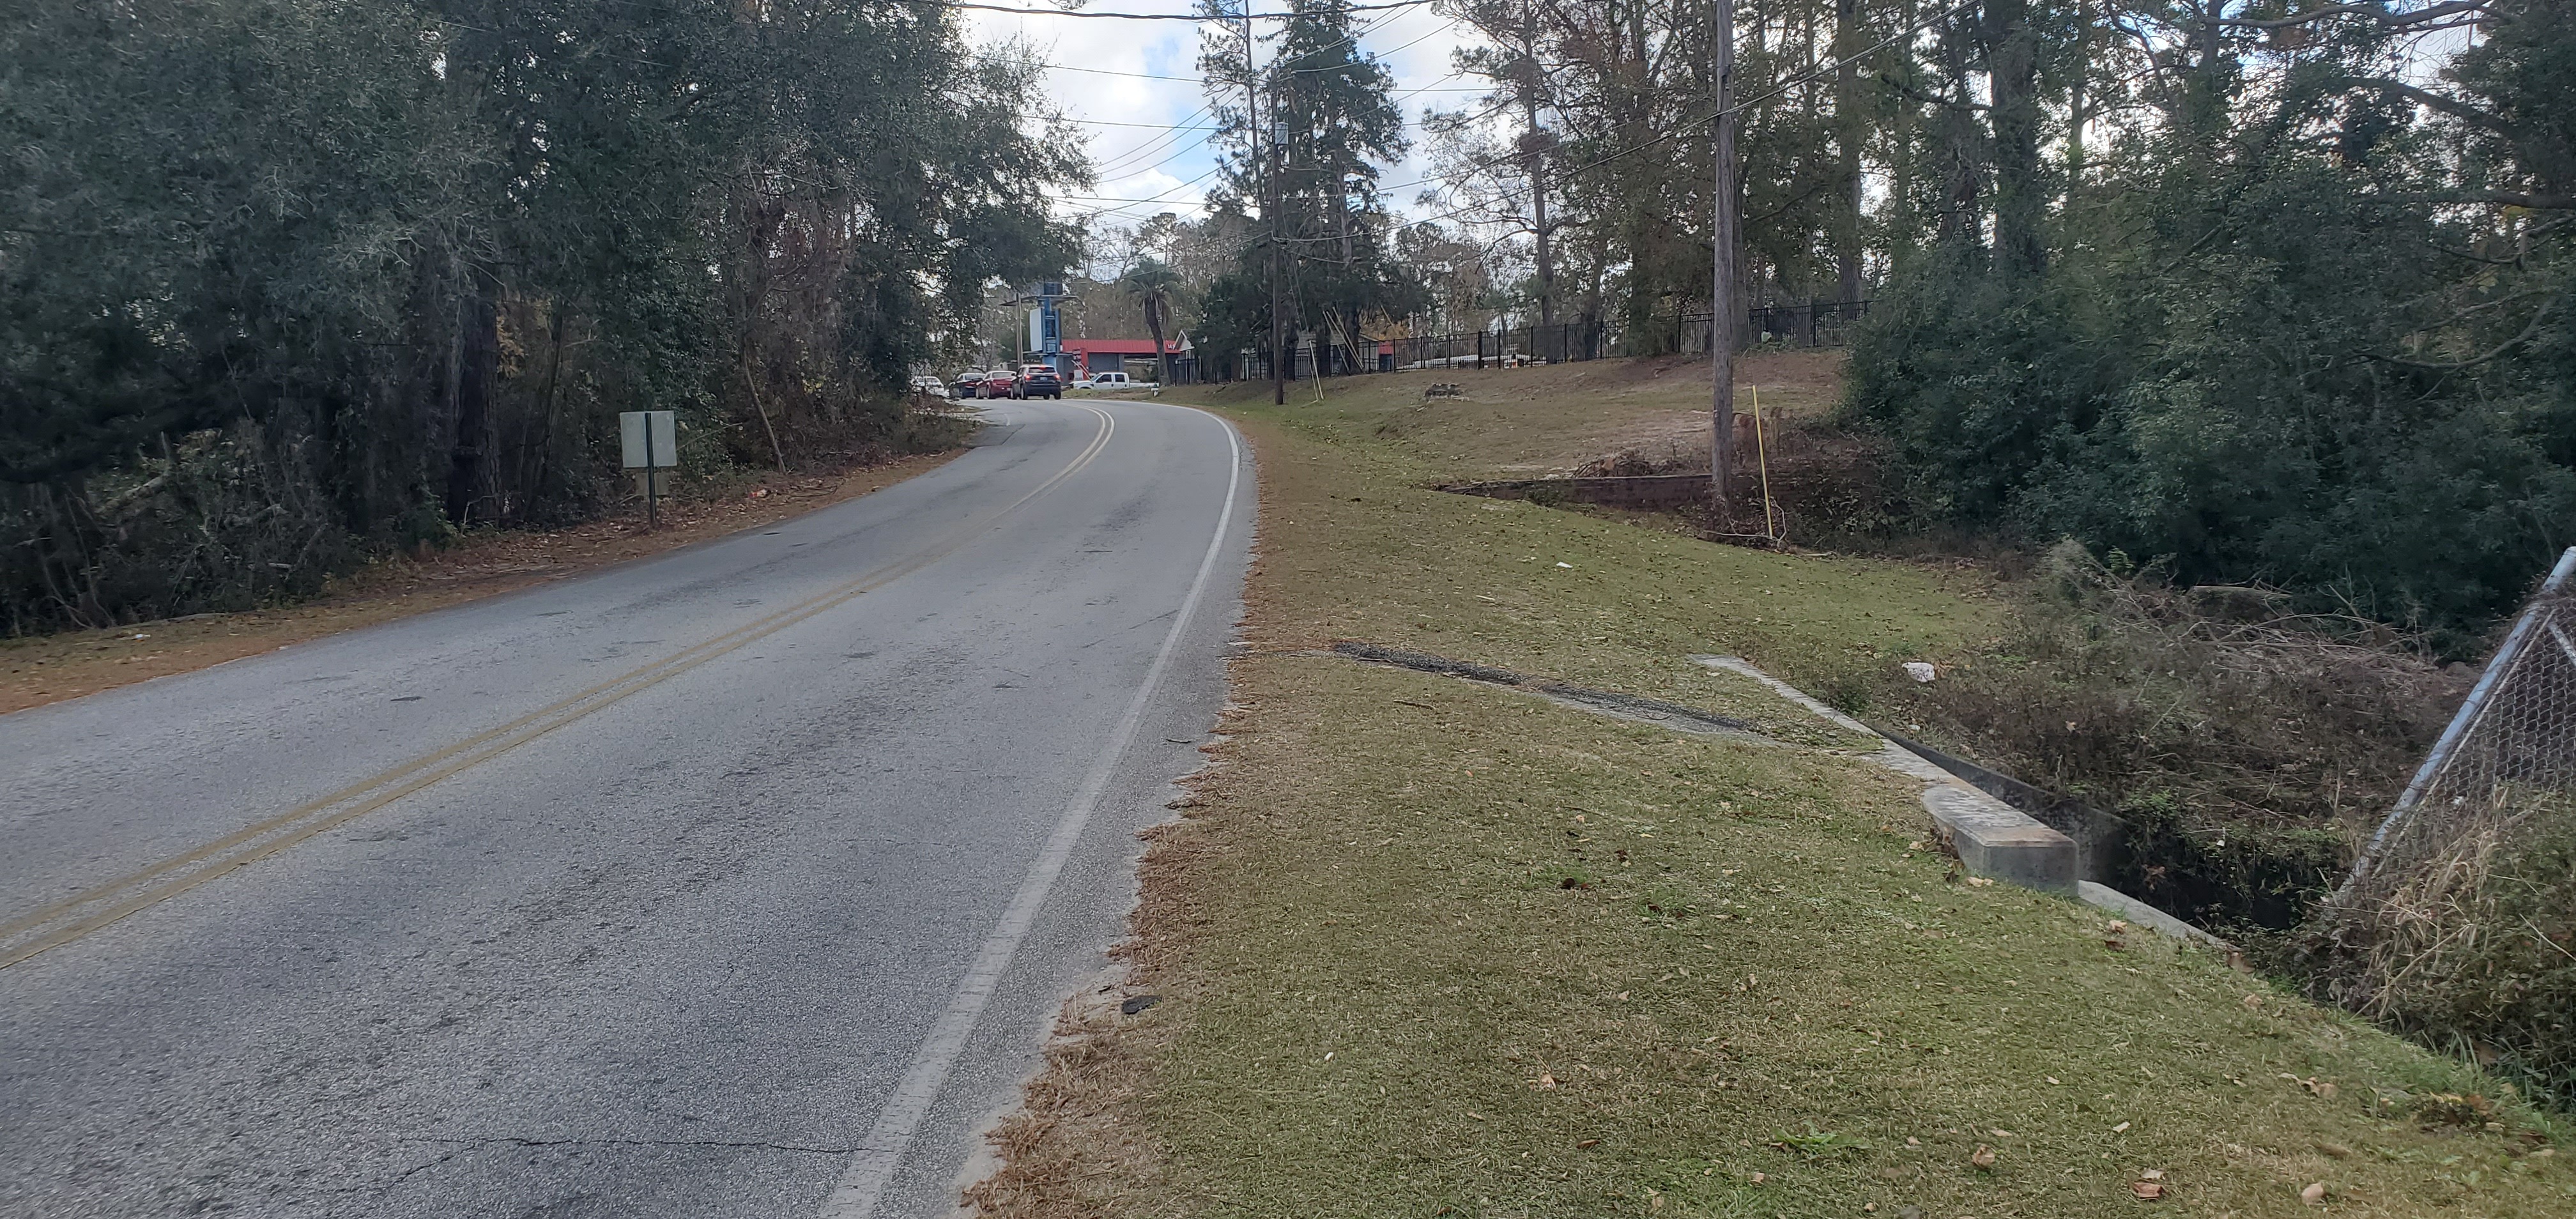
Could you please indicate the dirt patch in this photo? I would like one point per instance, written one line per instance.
(52, 668)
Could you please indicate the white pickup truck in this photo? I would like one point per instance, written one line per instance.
(1103, 380)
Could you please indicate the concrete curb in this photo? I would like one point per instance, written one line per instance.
(2144, 915)
(1992, 838)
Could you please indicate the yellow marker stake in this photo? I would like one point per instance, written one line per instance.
(1762, 457)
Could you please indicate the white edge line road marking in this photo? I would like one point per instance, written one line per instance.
(871, 1168)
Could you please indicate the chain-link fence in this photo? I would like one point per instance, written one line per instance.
(2509, 753)
(2458, 924)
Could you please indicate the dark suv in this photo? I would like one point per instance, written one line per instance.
(1038, 381)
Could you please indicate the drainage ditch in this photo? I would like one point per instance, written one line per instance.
(2251, 877)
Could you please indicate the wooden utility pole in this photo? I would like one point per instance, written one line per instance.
(1534, 148)
(1271, 134)
(1280, 356)
(1849, 133)
(1723, 315)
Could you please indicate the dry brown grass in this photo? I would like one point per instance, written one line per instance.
(2465, 936)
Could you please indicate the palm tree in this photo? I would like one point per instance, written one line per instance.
(1154, 284)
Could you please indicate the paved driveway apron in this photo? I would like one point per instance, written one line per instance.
(738, 881)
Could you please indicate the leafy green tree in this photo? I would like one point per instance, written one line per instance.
(2282, 331)
(1332, 103)
(380, 271)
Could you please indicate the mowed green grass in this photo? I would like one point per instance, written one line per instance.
(1428, 947)
(1356, 544)
(1526, 422)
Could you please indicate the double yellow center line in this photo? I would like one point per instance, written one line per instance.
(105, 903)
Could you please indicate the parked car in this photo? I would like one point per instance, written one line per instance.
(932, 386)
(967, 383)
(1104, 380)
(997, 383)
(1038, 381)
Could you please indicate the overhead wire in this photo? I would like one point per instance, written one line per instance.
(1198, 80)
(1080, 13)
(1123, 164)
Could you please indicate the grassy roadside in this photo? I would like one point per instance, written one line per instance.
(1431, 948)
(1525, 422)
(51, 668)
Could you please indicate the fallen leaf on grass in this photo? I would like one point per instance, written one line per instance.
(2314, 1195)
(1982, 1157)
(1588, 1143)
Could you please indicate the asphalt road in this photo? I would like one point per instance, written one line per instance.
(743, 880)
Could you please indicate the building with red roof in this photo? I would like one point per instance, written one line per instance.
(1130, 356)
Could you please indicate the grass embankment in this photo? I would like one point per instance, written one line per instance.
(46, 669)
(1433, 948)
(1529, 422)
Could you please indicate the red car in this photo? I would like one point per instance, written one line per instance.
(997, 384)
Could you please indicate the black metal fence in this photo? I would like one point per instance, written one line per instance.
(1562, 343)
(1814, 324)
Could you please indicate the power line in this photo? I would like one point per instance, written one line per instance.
(1125, 163)
(1151, 126)
(1052, 12)
(1130, 161)
(1443, 28)
(1107, 199)
(1201, 80)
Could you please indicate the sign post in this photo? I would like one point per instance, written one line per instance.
(650, 443)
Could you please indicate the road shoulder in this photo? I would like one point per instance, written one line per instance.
(48, 669)
(1422, 945)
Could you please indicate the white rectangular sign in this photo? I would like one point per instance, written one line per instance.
(665, 439)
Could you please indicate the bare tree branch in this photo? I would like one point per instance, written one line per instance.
(2539, 315)
(2448, 105)
(2382, 16)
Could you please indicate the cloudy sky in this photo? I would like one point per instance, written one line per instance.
(1152, 160)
